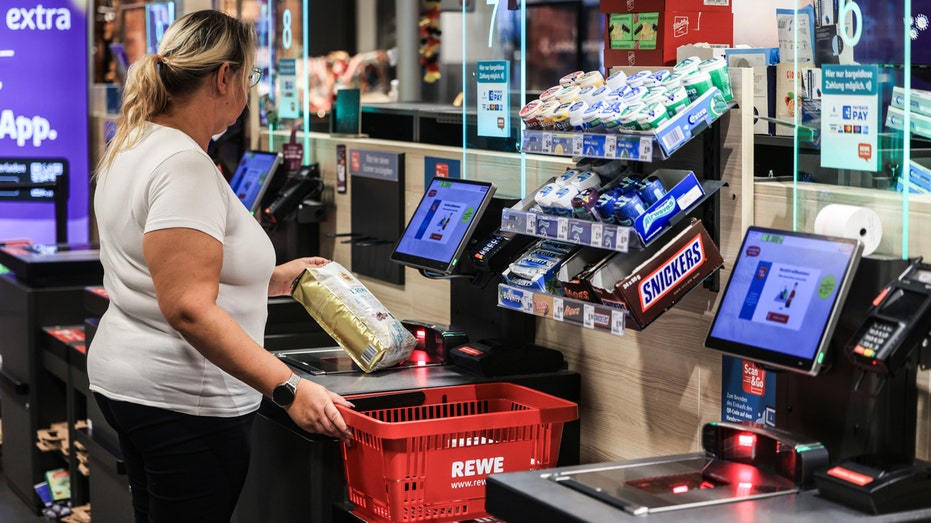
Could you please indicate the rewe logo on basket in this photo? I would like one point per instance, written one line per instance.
(478, 467)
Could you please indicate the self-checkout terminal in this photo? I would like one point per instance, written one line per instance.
(453, 235)
(781, 303)
(845, 335)
(886, 349)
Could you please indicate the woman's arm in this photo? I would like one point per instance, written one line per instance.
(185, 266)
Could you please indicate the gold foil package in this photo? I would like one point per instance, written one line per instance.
(353, 317)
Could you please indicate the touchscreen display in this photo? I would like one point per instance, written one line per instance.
(442, 224)
(252, 177)
(783, 298)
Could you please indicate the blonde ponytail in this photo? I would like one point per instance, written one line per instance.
(143, 97)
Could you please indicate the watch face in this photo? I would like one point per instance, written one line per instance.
(283, 395)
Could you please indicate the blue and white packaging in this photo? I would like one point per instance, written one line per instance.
(920, 100)
(684, 192)
(544, 197)
(585, 180)
(919, 174)
(562, 200)
(700, 113)
(566, 177)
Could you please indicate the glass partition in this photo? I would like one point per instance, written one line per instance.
(848, 95)
(268, 26)
(449, 73)
(493, 84)
(512, 51)
(306, 53)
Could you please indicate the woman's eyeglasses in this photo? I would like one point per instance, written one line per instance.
(254, 77)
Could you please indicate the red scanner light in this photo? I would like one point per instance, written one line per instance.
(746, 440)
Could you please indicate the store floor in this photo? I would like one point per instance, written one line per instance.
(12, 509)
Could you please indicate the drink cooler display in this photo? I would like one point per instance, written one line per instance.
(446, 433)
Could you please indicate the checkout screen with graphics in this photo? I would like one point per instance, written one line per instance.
(783, 293)
(442, 223)
(252, 177)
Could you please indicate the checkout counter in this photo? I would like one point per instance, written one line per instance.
(531, 497)
(744, 474)
(43, 289)
(855, 404)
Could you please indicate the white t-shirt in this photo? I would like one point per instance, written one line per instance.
(168, 181)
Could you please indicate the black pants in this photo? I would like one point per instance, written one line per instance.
(181, 468)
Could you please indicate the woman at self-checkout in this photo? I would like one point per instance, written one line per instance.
(177, 365)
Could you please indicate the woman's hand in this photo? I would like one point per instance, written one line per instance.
(284, 275)
(314, 411)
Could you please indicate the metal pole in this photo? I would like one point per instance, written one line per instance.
(407, 14)
(61, 208)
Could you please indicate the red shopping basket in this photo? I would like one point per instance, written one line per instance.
(453, 436)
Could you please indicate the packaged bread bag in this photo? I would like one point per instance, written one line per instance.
(353, 317)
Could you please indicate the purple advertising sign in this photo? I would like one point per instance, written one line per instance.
(44, 52)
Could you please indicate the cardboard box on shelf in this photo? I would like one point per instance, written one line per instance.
(830, 48)
(920, 174)
(584, 261)
(919, 123)
(763, 62)
(920, 100)
(703, 51)
(653, 37)
(650, 282)
(802, 107)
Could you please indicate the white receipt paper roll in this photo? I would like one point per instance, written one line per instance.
(851, 221)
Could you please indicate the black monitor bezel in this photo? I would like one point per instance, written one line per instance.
(443, 267)
(769, 358)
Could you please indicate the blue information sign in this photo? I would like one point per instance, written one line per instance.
(494, 112)
(287, 89)
(850, 117)
(748, 392)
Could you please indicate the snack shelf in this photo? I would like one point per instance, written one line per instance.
(640, 146)
(582, 313)
(573, 230)
(587, 233)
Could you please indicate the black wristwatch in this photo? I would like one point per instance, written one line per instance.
(283, 395)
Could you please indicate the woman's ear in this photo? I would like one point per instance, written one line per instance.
(224, 78)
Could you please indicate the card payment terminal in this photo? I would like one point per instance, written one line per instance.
(897, 321)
